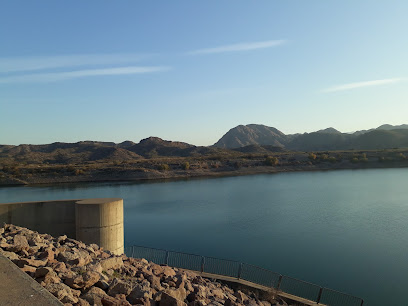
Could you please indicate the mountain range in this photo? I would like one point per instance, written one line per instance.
(252, 138)
(383, 137)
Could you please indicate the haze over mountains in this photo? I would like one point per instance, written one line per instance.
(252, 138)
(385, 136)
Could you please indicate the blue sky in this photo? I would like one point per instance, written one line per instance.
(191, 70)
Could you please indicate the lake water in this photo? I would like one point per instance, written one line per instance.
(345, 230)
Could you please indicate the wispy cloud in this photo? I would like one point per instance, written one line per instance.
(18, 64)
(59, 76)
(356, 85)
(240, 47)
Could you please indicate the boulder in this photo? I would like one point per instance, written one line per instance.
(28, 269)
(94, 296)
(141, 290)
(112, 301)
(102, 284)
(111, 263)
(30, 262)
(63, 293)
(10, 255)
(20, 243)
(85, 280)
(42, 271)
(119, 287)
(168, 300)
(179, 294)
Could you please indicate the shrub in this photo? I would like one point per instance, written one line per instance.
(79, 171)
(332, 159)
(271, 161)
(163, 167)
(312, 156)
(185, 166)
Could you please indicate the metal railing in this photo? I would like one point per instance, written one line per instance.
(247, 272)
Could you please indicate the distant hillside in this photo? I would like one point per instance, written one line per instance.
(257, 149)
(88, 151)
(155, 147)
(385, 136)
(252, 134)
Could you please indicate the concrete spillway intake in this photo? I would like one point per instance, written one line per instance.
(97, 221)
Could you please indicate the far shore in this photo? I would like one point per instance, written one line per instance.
(172, 175)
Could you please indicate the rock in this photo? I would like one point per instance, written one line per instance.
(63, 293)
(96, 267)
(83, 259)
(47, 254)
(154, 282)
(241, 297)
(82, 302)
(111, 301)
(119, 287)
(28, 269)
(67, 256)
(217, 293)
(179, 294)
(30, 262)
(20, 243)
(163, 271)
(111, 263)
(94, 296)
(61, 239)
(42, 271)
(10, 255)
(60, 267)
(168, 300)
(140, 291)
(102, 284)
(85, 280)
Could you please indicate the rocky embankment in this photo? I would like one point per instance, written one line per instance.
(80, 274)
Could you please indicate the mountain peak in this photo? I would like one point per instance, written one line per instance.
(329, 130)
(243, 135)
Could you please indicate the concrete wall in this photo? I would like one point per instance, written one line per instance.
(97, 221)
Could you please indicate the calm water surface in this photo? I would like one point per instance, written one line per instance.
(346, 230)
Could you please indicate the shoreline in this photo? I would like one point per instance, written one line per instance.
(194, 174)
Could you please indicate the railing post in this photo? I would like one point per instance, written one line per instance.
(279, 282)
(133, 252)
(167, 258)
(239, 270)
(202, 263)
(320, 295)
(362, 302)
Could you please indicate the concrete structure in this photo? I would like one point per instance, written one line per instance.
(97, 221)
(17, 288)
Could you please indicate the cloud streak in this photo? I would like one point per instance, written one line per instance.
(356, 85)
(60, 76)
(18, 64)
(240, 47)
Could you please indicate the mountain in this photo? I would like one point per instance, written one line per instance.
(329, 130)
(89, 151)
(252, 134)
(389, 127)
(254, 138)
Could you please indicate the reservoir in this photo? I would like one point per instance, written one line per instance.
(346, 230)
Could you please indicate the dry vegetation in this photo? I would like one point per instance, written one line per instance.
(226, 162)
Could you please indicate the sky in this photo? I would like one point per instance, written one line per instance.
(191, 70)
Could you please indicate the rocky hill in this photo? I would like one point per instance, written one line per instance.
(252, 134)
(385, 136)
(81, 275)
(90, 151)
